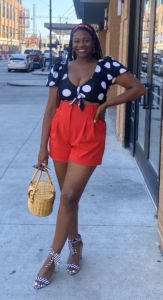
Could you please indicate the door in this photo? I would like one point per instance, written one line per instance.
(149, 107)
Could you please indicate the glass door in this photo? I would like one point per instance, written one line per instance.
(149, 106)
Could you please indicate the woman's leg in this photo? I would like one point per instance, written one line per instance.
(61, 169)
(74, 183)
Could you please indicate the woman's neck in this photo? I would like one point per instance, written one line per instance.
(85, 60)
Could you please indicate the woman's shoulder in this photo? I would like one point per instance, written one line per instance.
(56, 73)
(58, 66)
(106, 59)
(110, 63)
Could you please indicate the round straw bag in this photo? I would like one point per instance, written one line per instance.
(41, 194)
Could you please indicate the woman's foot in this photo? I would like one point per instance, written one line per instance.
(73, 263)
(47, 270)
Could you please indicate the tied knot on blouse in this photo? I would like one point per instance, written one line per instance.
(80, 97)
(93, 90)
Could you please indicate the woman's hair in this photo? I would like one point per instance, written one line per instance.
(88, 28)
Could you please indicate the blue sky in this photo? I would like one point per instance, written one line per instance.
(60, 8)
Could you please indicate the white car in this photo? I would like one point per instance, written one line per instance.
(20, 62)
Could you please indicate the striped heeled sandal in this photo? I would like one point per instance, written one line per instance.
(75, 246)
(40, 281)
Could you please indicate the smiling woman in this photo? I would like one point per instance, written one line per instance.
(74, 132)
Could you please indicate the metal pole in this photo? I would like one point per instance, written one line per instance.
(50, 36)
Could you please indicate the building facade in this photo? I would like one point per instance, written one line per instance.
(135, 38)
(13, 23)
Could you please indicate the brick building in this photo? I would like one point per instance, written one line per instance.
(13, 23)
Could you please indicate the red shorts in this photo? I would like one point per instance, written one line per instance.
(75, 137)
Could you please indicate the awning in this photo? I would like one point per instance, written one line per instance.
(58, 27)
(91, 11)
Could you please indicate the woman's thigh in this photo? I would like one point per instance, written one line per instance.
(75, 180)
(60, 170)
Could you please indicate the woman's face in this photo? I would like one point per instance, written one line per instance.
(82, 44)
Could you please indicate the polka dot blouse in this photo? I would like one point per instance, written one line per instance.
(93, 90)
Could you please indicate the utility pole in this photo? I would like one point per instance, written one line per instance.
(34, 20)
(50, 36)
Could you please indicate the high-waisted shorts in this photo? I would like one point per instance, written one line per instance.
(75, 137)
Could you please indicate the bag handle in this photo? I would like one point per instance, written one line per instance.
(38, 180)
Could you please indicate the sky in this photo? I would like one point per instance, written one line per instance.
(63, 9)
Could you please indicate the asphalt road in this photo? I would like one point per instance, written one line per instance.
(18, 76)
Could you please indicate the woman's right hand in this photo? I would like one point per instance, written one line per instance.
(42, 159)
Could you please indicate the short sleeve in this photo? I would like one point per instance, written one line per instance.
(54, 75)
(113, 69)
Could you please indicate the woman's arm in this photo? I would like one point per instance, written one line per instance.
(48, 115)
(134, 89)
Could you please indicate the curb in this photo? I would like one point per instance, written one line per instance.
(26, 84)
(44, 73)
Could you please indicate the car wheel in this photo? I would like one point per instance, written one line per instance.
(9, 70)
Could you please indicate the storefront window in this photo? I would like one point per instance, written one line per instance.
(145, 40)
(157, 91)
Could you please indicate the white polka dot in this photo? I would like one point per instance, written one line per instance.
(116, 64)
(107, 65)
(82, 95)
(66, 92)
(55, 74)
(122, 70)
(78, 89)
(86, 88)
(101, 96)
(51, 83)
(98, 69)
(100, 60)
(114, 79)
(51, 71)
(60, 68)
(64, 77)
(110, 77)
(103, 84)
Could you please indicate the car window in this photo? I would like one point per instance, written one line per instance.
(16, 58)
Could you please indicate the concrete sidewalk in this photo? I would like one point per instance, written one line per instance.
(38, 80)
(121, 257)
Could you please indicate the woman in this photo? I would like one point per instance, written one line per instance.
(75, 129)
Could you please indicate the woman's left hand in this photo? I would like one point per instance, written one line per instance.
(100, 112)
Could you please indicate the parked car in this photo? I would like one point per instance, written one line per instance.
(37, 58)
(158, 66)
(28, 51)
(20, 62)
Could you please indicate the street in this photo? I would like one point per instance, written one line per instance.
(121, 256)
(20, 76)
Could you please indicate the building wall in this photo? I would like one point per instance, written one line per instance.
(123, 58)
(160, 211)
(12, 24)
(112, 38)
(117, 47)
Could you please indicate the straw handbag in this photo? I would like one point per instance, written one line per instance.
(41, 194)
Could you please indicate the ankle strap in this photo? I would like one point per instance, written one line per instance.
(56, 257)
(71, 244)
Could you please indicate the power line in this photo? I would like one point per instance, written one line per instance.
(68, 10)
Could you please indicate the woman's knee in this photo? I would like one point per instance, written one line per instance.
(69, 201)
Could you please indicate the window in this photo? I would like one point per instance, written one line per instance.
(7, 11)
(3, 14)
